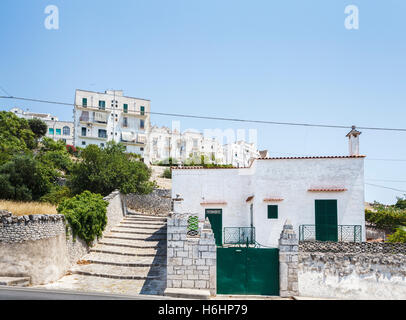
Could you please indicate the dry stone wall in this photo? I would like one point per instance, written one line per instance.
(352, 270)
(38, 246)
(158, 202)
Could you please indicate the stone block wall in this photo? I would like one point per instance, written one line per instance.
(37, 246)
(191, 261)
(158, 202)
(352, 270)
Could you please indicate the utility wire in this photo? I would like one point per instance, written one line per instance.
(379, 186)
(223, 118)
(2, 89)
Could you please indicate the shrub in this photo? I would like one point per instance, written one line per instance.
(38, 127)
(71, 150)
(24, 178)
(167, 173)
(398, 236)
(387, 218)
(57, 195)
(104, 170)
(86, 214)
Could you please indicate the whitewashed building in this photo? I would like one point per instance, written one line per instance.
(111, 116)
(191, 144)
(56, 129)
(240, 153)
(322, 196)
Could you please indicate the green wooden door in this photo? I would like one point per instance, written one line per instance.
(326, 220)
(251, 271)
(216, 220)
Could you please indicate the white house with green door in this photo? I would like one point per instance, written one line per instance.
(323, 196)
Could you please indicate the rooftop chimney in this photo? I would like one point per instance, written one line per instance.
(353, 142)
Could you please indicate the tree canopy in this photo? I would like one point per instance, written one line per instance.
(104, 170)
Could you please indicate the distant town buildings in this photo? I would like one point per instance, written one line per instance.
(190, 146)
(111, 116)
(57, 130)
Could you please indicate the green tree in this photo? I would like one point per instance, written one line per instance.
(16, 136)
(398, 236)
(401, 203)
(24, 178)
(38, 127)
(104, 170)
(86, 214)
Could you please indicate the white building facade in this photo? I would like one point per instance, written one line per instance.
(111, 116)
(191, 145)
(323, 197)
(56, 130)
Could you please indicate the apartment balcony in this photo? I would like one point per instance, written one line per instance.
(93, 138)
(92, 108)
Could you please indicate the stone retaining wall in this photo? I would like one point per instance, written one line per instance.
(37, 246)
(158, 202)
(352, 270)
(191, 260)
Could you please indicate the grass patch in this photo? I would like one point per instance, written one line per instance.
(25, 208)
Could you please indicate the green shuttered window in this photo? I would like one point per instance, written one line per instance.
(272, 212)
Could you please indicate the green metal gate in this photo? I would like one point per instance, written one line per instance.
(245, 270)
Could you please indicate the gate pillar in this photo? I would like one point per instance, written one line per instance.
(288, 261)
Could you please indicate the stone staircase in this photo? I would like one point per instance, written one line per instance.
(133, 251)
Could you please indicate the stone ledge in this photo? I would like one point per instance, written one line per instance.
(187, 293)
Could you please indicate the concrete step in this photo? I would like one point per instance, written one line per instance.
(145, 218)
(15, 281)
(85, 283)
(121, 229)
(187, 293)
(157, 224)
(129, 251)
(142, 226)
(128, 243)
(124, 260)
(139, 237)
(120, 272)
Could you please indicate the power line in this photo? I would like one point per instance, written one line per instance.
(2, 89)
(223, 118)
(379, 186)
(385, 180)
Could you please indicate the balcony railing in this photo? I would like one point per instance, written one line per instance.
(340, 233)
(239, 235)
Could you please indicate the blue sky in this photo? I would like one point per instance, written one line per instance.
(288, 61)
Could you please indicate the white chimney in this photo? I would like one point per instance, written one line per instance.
(353, 141)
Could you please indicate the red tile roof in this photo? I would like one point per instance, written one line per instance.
(327, 190)
(274, 158)
(272, 199)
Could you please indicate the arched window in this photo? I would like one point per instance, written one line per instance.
(66, 131)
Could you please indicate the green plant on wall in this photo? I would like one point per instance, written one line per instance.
(86, 214)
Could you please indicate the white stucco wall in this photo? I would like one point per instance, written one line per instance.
(288, 179)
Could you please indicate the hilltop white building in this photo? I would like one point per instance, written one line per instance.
(57, 130)
(322, 196)
(111, 116)
(165, 143)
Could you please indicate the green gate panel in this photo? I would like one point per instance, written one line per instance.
(248, 271)
(231, 270)
(216, 220)
(263, 271)
(326, 220)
